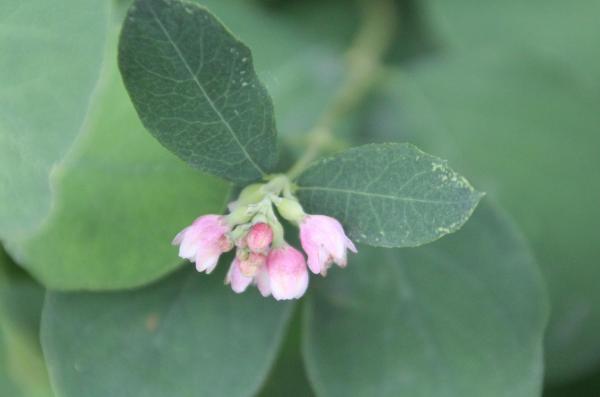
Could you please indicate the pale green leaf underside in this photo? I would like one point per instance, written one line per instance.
(119, 200)
(195, 89)
(389, 195)
(462, 317)
(51, 58)
(187, 335)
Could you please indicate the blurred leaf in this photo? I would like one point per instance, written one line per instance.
(389, 195)
(277, 38)
(312, 19)
(563, 32)
(52, 54)
(526, 130)
(410, 36)
(187, 335)
(413, 36)
(288, 375)
(523, 84)
(461, 317)
(22, 369)
(194, 86)
(120, 199)
(303, 88)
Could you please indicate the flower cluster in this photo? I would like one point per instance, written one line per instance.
(263, 257)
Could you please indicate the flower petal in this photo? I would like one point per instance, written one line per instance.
(239, 282)
(287, 273)
(262, 281)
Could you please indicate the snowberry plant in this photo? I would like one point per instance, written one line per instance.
(195, 89)
(204, 216)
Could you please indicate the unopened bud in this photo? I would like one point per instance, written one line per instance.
(290, 209)
(251, 194)
(239, 215)
(260, 237)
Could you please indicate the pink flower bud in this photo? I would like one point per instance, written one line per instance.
(324, 241)
(239, 281)
(204, 241)
(288, 276)
(259, 237)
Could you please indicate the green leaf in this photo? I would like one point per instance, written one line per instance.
(560, 33)
(187, 335)
(195, 89)
(527, 133)
(22, 369)
(521, 81)
(462, 317)
(120, 198)
(51, 59)
(389, 195)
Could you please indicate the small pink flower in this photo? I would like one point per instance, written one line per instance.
(238, 280)
(324, 241)
(204, 241)
(259, 237)
(287, 273)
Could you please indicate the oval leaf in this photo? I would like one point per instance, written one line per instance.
(463, 317)
(187, 335)
(389, 195)
(195, 89)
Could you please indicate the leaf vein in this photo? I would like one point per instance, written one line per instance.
(203, 91)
